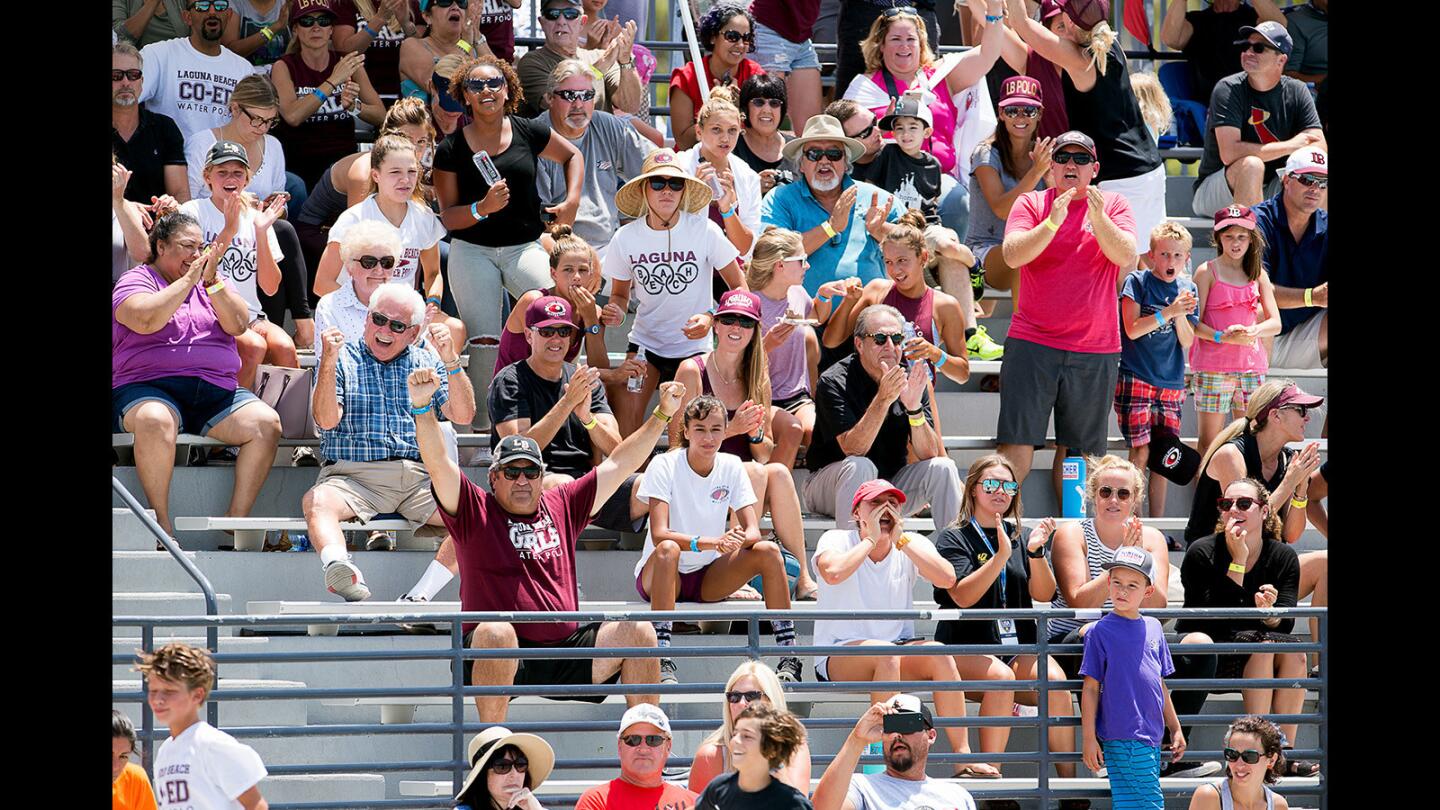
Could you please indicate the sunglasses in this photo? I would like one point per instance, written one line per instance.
(210, 5)
(896, 11)
(449, 3)
(503, 766)
(555, 331)
(1243, 504)
(395, 326)
(553, 14)
(1255, 47)
(833, 154)
(749, 697)
(264, 122)
(1080, 158)
(492, 83)
(369, 262)
(1121, 494)
(736, 320)
(735, 36)
(767, 102)
(864, 133)
(311, 20)
(575, 96)
(880, 338)
(1251, 756)
(652, 740)
(662, 183)
(133, 74)
(1020, 112)
(1300, 409)
(990, 486)
(530, 473)
(1312, 181)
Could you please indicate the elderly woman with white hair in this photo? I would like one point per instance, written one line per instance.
(368, 255)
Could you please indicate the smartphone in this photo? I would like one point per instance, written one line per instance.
(904, 723)
(486, 167)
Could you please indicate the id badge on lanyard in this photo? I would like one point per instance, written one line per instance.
(1004, 628)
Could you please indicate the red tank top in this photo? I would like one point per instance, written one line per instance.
(918, 311)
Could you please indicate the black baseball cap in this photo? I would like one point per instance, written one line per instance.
(1074, 138)
(225, 152)
(517, 448)
(911, 704)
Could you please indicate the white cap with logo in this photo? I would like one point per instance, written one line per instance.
(644, 713)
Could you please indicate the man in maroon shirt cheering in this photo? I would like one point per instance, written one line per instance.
(516, 552)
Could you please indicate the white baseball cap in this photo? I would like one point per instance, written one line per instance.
(644, 713)
(1307, 160)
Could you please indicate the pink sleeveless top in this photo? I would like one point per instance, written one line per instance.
(918, 311)
(942, 141)
(1229, 304)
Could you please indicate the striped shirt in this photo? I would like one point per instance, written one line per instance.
(1096, 555)
(375, 420)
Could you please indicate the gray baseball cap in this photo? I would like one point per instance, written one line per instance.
(225, 152)
(1136, 559)
(517, 448)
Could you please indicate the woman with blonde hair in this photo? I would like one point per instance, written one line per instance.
(1154, 104)
(712, 159)
(451, 30)
(1101, 103)
(751, 682)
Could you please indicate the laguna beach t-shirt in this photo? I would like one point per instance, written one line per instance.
(239, 264)
(190, 87)
(419, 231)
(671, 273)
(698, 504)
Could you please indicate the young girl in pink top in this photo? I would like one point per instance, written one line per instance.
(1237, 312)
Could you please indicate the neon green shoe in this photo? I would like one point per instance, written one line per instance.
(980, 345)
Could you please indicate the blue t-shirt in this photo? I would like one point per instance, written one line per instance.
(1156, 357)
(851, 252)
(1128, 657)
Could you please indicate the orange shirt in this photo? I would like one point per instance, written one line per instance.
(617, 794)
(132, 790)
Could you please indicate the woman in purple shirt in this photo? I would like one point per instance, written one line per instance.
(174, 362)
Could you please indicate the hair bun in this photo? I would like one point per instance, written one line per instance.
(725, 92)
(560, 230)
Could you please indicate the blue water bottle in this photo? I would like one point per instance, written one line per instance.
(877, 749)
(1072, 487)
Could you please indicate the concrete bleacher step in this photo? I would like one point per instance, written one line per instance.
(139, 571)
(127, 532)
(166, 603)
(128, 645)
(329, 787)
(287, 712)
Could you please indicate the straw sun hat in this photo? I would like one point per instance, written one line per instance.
(484, 745)
(630, 199)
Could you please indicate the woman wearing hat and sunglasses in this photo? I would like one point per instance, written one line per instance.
(505, 771)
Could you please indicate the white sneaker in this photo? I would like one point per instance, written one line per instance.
(343, 578)
(380, 541)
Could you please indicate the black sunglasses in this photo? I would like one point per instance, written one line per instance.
(369, 262)
(736, 320)
(880, 338)
(492, 83)
(503, 766)
(662, 183)
(530, 473)
(1312, 181)
(1255, 47)
(553, 14)
(1080, 158)
(992, 485)
(1251, 756)
(555, 331)
(1017, 112)
(735, 36)
(865, 133)
(1243, 504)
(652, 740)
(264, 122)
(574, 96)
(767, 102)
(448, 3)
(395, 326)
(310, 20)
(133, 74)
(736, 697)
(833, 154)
(1122, 493)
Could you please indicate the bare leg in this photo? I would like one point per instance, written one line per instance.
(1315, 582)
(785, 516)
(155, 427)
(728, 572)
(999, 275)
(324, 509)
(940, 668)
(1210, 425)
(252, 347)
(1139, 455)
(1021, 457)
(632, 670)
(1060, 704)
(954, 279)
(493, 671)
(1289, 701)
(630, 407)
(1246, 176)
(801, 86)
(867, 668)
(1259, 701)
(255, 428)
(445, 555)
(992, 704)
(279, 348)
(1057, 469)
(789, 434)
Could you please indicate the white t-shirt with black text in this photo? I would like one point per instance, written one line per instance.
(238, 265)
(190, 87)
(697, 505)
(420, 230)
(671, 274)
(204, 769)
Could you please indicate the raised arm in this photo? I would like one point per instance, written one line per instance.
(1072, 576)
(444, 473)
(831, 793)
(1062, 52)
(1175, 30)
(976, 62)
(637, 447)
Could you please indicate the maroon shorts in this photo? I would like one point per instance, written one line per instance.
(689, 587)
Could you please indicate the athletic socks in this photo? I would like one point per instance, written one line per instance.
(334, 552)
(662, 633)
(436, 576)
(784, 633)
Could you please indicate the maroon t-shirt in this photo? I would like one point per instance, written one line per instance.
(791, 19)
(497, 24)
(382, 58)
(323, 138)
(517, 563)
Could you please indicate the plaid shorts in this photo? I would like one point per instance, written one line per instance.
(1223, 391)
(1140, 405)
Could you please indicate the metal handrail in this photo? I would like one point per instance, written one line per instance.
(457, 728)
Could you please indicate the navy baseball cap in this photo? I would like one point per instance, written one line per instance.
(1272, 32)
(448, 103)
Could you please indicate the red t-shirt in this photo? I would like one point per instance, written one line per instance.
(683, 79)
(1070, 298)
(617, 794)
(516, 563)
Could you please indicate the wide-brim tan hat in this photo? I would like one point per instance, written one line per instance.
(823, 128)
(484, 745)
(630, 199)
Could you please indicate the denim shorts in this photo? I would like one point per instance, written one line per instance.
(198, 405)
(778, 54)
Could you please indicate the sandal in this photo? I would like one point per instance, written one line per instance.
(972, 771)
(1300, 767)
(812, 595)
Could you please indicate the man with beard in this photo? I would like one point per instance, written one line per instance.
(147, 143)
(190, 78)
(904, 783)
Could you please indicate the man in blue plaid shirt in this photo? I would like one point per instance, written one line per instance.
(362, 407)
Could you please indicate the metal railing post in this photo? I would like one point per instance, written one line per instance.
(752, 631)
(1322, 705)
(147, 719)
(1042, 706)
(457, 704)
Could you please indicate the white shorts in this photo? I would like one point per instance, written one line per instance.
(1300, 347)
(1146, 195)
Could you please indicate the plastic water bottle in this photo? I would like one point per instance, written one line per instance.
(909, 331)
(635, 384)
(1072, 486)
(878, 749)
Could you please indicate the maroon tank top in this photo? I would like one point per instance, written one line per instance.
(323, 138)
(919, 311)
(514, 347)
(735, 445)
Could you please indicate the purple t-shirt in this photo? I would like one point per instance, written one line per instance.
(191, 344)
(1129, 657)
(789, 371)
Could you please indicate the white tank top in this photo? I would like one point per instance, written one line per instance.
(1227, 802)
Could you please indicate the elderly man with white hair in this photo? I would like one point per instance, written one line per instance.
(347, 308)
(367, 424)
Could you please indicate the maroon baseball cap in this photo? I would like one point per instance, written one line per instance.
(870, 490)
(548, 310)
(739, 302)
(1087, 13)
(1021, 91)
(304, 7)
(1292, 395)
(1049, 8)
(1234, 215)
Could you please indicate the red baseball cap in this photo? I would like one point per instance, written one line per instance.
(305, 7)
(870, 490)
(1234, 215)
(739, 302)
(1086, 13)
(548, 310)
(1292, 395)
(1021, 91)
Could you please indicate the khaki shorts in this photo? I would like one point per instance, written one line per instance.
(1214, 193)
(1300, 347)
(373, 488)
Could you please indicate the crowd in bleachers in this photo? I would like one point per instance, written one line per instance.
(388, 187)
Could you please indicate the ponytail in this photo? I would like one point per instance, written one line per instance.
(1098, 41)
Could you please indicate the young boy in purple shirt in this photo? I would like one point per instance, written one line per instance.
(1124, 700)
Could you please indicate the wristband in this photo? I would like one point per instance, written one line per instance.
(464, 46)
(1299, 503)
(659, 414)
(710, 312)
(451, 372)
(216, 287)
(829, 229)
(267, 33)
(321, 94)
(757, 439)
(824, 299)
(475, 212)
(371, 31)
(915, 421)
(902, 541)
(1052, 227)
(728, 214)
(916, 412)
(417, 411)
(1160, 318)
(433, 299)
(624, 65)
(1218, 335)
(695, 543)
(1309, 291)
(990, 18)
(943, 358)
(591, 424)
(1237, 568)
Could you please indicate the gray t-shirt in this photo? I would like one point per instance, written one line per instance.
(613, 152)
(986, 229)
(884, 792)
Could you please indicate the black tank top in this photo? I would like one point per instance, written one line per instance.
(1203, 511)
(1110, 115)
(325, 203)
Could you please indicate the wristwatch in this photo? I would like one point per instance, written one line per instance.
(593, 328)
(1037, 554)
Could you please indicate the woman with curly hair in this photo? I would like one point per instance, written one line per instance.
(1253, 762)
(495, 240)
(727, 34)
